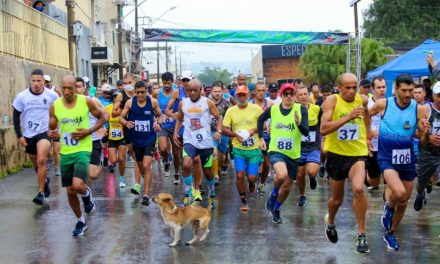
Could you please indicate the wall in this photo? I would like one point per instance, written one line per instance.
(15, 76)
(281, 68)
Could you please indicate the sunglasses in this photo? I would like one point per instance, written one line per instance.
(141, 92)
(288, 94)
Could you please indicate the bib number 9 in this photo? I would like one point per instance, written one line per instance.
(285, 143)
(401, 156)
(348, 132)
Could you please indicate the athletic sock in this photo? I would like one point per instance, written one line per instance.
(211, 187)
(188, 181)
(214, 167)
(277, 205)
(81, 219)
(275, 191)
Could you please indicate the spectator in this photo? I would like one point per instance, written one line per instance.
(39, 6)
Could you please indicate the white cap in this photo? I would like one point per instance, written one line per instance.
(436, 88)
(187, 74)
(86, 79)
(46, 78)
(106, 87)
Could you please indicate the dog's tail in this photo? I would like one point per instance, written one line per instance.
(209, 208)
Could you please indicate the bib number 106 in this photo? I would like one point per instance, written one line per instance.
(401, 156)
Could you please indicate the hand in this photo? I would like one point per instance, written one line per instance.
(370, 148)
(156, 127)
(359, 111)
(240, 139)
(425, 126)
(80, 133)
(297, 121)
(129, 124)
(217, 136)
(262, 144)
(53, 134)
(176, 140)
(434, 139)
(374, 133)
(22, 142)
(101, 132)
(430, 59)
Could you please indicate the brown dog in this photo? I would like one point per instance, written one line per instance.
(179, 217)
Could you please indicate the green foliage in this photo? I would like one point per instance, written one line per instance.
(208, 75)
(324, 63)
(402, 21)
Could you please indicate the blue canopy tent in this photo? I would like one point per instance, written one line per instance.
(413, 62)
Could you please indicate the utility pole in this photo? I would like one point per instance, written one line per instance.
(136, 34)
(166, 56)
(70, 4)
(158, 82)
(175, 59)
(121, 67)
(357, 40)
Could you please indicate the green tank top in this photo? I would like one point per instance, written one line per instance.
(285, 136)
(69, 121)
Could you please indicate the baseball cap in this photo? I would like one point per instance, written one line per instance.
(47, 78)
(436, 88)
(364, 83)
(273, 86)
(187, 74)
(287, 86)
(106, 88)
(242, 89)
(119, 82)
(86, 79)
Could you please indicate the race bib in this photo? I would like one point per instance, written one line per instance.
(142, 126)
(250, 142)
(348, 132)
(401, 156)
(310, 138)
(213, 121)
(116, 133)
(69, 141)
(32, 125)
(167, 119)
(199, 135)
(436, 128)
(285, 143)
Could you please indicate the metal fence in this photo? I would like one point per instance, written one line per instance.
(32, 35)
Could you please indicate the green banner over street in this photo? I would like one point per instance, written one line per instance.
(245, 36)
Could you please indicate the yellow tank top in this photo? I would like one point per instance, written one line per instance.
(115, 130)
(351, 138)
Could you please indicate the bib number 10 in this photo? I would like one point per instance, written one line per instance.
(69, 141)
(285, 143)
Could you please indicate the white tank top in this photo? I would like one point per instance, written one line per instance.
(374, 125)
(197, 120)
(93, 121)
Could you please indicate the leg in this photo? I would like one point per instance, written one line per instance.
(176, 240)
(122, 149)
(336, 198)
(195, 227)
(56, 154)
(148, 174)
(112, 155)
(163, 148)
(176, 157)
(74, 201)
(43, 148)
(265, 170)
(357, 177)
(400, 208)
(301, 179)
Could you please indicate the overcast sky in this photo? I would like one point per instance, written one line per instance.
(274, 15)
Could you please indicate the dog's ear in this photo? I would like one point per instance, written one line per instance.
(166, 200)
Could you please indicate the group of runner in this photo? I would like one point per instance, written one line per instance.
(291, 129)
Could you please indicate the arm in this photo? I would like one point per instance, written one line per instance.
(155, 94)
(179, 121)
(216, 114)
(261, 121)
(304, 125)
(367, 118)
(117, 106)
(53, 124)
(227, 123)
(17, 128)
(96, 112)
(169, 111)
(124, 113)
(424, 127)
(158, 113)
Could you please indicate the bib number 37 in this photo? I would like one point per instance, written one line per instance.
(348, 132)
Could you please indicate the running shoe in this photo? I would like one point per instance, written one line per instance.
(260, 189)
(362, 244)
(170, 156)
(244, 206)
(387, 217)
(166, 169)
(188, 201)
(270, 203)
(211, 202)
(80, 228)
(302, 201)
(111, 167)
(419, 201)
(122, 181)
(373, 188)
(390, 239)
(39, 199)
(313, 183)
(224, 170)
(57, 172)
(276, 216)
(217, 180)
(89, 204)
(429, 187)
(330, 231)
(198, 196)
(322, 172)
(47, 188)
(136, 189)
(176, 180)
(145, 200)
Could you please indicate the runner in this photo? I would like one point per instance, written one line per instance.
(345, 125)
(31, 108)
(195, 113)
(288, 121)
(273, 94)
(106, 99)
(220, 148)
(400, 116)
(241, 123)
(326, 91)
(71, 114)
(260, 92)
(310, 146)
(138, 116)
(373, 170)
(429, 155)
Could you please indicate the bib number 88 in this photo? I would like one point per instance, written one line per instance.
(285, 144)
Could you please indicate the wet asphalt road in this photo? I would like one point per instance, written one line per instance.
(121, 230)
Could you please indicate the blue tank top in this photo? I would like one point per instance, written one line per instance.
(142, 134)
(105, 102)
(176, 105)
(396, 130)
(168, 122)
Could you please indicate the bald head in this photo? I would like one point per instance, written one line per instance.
(347, 77)
(68, 79)
(68, 88)
(348, 85)
(241, 79)
(194, 89)
(195, 83)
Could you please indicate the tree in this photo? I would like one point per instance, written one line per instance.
(324, 63)
(402, 21)
(208, 75)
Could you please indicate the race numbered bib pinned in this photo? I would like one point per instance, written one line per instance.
(348, 132)
(142, 126)
(116, 133)
(69, 141)
(32, 124)
(199, 135)
(401, 156)
(436, 128)
(250, 142)
(310, 138)
(167, 119)
(285, 143)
